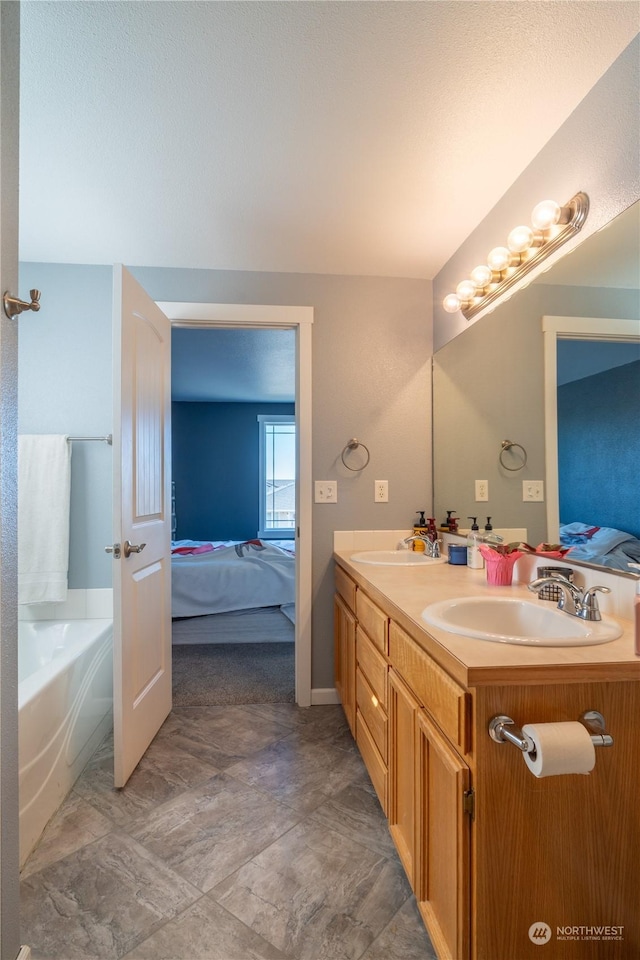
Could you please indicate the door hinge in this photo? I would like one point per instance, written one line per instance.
(469, 802)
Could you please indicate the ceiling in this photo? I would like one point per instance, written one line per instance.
(259, 365)
(235, 366)
(364, 138)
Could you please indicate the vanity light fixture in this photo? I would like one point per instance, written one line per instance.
(526, 247)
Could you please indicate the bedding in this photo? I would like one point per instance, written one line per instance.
(223, 575)
(603, 545)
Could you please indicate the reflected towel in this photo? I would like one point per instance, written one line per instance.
(44, 489)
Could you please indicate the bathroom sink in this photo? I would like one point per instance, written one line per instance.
(511, 620)
(396, 558)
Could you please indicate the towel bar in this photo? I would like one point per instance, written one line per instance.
(108, 439)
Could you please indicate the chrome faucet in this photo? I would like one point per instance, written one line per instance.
(573, 600)
(431, 547)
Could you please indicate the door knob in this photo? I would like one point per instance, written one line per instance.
(129, 548)
(13, 306)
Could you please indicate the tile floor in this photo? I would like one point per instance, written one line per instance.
(246, 833)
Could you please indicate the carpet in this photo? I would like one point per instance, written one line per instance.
(266, 624)
(223, 673)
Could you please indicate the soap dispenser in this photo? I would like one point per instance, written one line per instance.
(475, 560)
(419, 530)
(450, 525)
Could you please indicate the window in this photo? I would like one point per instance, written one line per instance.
(277, 476)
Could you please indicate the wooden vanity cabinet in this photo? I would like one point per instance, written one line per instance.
(489, 849)
(372, 666)
(345, 659)
(410, 719)
(360, 668)
(443, 838)
(344, 651)
(429, 787)
(403, 752)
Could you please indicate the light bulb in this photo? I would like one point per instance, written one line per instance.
(520, 239)
(499, 259)
(466, 290)
(481, 276)
(451, 303)
(545, 214)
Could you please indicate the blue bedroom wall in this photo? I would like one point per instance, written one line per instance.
(215, 468)
(599, 449)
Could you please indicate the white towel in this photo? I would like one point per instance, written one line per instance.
(44, 492)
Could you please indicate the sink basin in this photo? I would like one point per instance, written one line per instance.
(511, 620)
(396, 558)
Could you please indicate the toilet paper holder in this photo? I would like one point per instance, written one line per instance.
(502, 729)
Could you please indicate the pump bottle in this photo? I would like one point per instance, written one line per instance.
(475, 560)
(420, 530)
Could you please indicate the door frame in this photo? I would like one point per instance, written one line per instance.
(230, 315)
(565, 328)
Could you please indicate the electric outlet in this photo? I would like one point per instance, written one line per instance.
(381, 491)
(482, 490)
(533, 490)
(326, 491)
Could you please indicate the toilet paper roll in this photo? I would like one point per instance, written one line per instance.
(559, 748)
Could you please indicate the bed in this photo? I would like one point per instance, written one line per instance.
(223, 576)
(602, 545)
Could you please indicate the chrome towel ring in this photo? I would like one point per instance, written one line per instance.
(353, 444)
(508, 445)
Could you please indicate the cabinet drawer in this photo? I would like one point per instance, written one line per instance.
(372, 712)
(373, 666)
(345, 587)
(372, 760)
(373, 621)
(444, 699)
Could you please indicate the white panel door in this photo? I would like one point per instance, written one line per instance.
(142, 522)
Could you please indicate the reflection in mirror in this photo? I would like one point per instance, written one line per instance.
(592, 398)
(489, 384)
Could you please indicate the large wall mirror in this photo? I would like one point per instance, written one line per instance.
(489, 386)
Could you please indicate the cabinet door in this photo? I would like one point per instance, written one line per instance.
(345, 659)
(443, 840)
(403, 710)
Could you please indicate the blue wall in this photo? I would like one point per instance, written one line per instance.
(599, 449)
(215, 468)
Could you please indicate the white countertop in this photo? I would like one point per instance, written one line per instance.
(405, 591)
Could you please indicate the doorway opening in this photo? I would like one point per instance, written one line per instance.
(286, 540)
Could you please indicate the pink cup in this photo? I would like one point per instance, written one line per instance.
(500, 567)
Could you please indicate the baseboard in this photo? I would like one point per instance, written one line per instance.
(323, 695)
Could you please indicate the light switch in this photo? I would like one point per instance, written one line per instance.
(326, 491)
(533, 490)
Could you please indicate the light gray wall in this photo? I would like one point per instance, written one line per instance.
(64, 386)
(488, 386)
(596, 150)
(371, 347)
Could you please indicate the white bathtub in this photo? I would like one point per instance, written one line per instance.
(65, 702)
